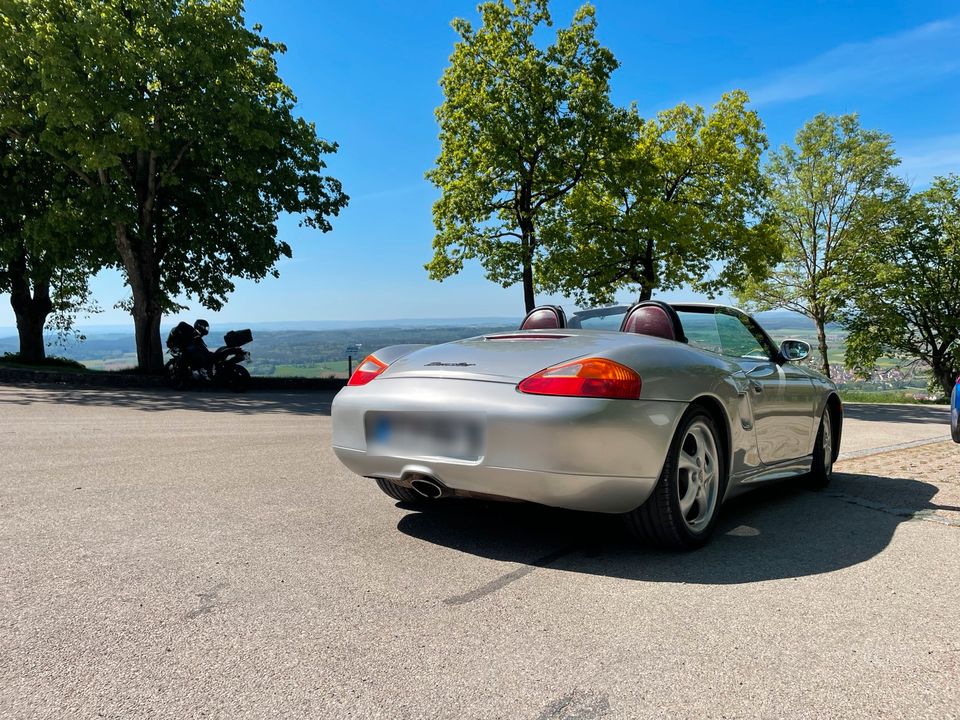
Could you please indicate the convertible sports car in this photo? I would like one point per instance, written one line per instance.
(657, 412)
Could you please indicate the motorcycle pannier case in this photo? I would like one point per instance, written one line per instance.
(236, 338)
(180, 336)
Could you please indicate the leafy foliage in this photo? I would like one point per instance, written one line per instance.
(906, 301)
(520, 126)
(677, 200)
(831, 194)
(48, 247)
(172, 115)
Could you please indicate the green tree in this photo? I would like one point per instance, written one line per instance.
(520, 126)
(831, 194)
(678, 200)
(906, 301)
(172, 115)
(47, 249)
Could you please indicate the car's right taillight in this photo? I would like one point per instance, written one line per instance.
(590, 377)
(367, 371)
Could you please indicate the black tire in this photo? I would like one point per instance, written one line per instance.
(660, 520)
(822, 468)
(399, 492)
(176, 377)
(238, 378)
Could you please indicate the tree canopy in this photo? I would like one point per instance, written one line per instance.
(831, 194)
(173, 117)
(520, 126)
(906, 298)
(677, 200)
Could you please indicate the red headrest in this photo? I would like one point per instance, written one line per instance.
(649, 320)
(544, 318)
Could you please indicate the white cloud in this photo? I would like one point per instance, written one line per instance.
(915, 57)
(921, 160)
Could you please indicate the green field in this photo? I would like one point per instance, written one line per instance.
(123, 361)
(315, 370)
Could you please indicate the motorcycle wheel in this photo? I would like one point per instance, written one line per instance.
(238, 378)
(176, 377)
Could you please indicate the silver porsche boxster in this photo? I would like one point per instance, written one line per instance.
(658, 412)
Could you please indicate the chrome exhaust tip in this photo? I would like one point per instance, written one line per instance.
(428, 488)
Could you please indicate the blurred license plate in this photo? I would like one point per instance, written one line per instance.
(425, 435)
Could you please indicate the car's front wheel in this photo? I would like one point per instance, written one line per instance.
(821, 470)
(682, 511)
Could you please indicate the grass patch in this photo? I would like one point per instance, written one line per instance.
(62, 364)
(885, 396)
(124, 362)
(314, 370)
(51, 362)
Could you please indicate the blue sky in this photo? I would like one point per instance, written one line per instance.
(366, 72)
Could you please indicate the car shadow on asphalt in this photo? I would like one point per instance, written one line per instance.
(300, 402)
(917, 414)
(775, 532)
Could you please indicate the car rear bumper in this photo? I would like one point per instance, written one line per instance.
(577, 453)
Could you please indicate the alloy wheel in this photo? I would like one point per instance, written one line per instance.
(698, 476)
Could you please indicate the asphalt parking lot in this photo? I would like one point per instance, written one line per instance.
(205, 556)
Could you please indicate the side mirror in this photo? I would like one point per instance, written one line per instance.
(794, 349)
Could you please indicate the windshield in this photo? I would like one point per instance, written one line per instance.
(608, 318)
(724, 332)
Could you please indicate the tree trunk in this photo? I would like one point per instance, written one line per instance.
(30, 307)
(527, 243)
(649, 280)
(30, 329)
(146, 323)
(529, 299)
(944, 374)
(143, 275)
(822, 343)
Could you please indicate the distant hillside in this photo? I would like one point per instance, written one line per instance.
(7, 332)
(284, 352)
(773, 320)
(298, 349)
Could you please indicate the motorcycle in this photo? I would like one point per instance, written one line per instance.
(191, 360)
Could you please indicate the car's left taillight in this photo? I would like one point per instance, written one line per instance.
(590, 377)
(367, 371)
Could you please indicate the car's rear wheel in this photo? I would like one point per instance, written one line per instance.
(682, 511)
(822, 468)
(399, 492)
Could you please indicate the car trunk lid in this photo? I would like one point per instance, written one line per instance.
(501, 357)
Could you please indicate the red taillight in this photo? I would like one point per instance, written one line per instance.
(366, 371)
(591, 377)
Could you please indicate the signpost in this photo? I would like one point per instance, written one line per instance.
(351, 351)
